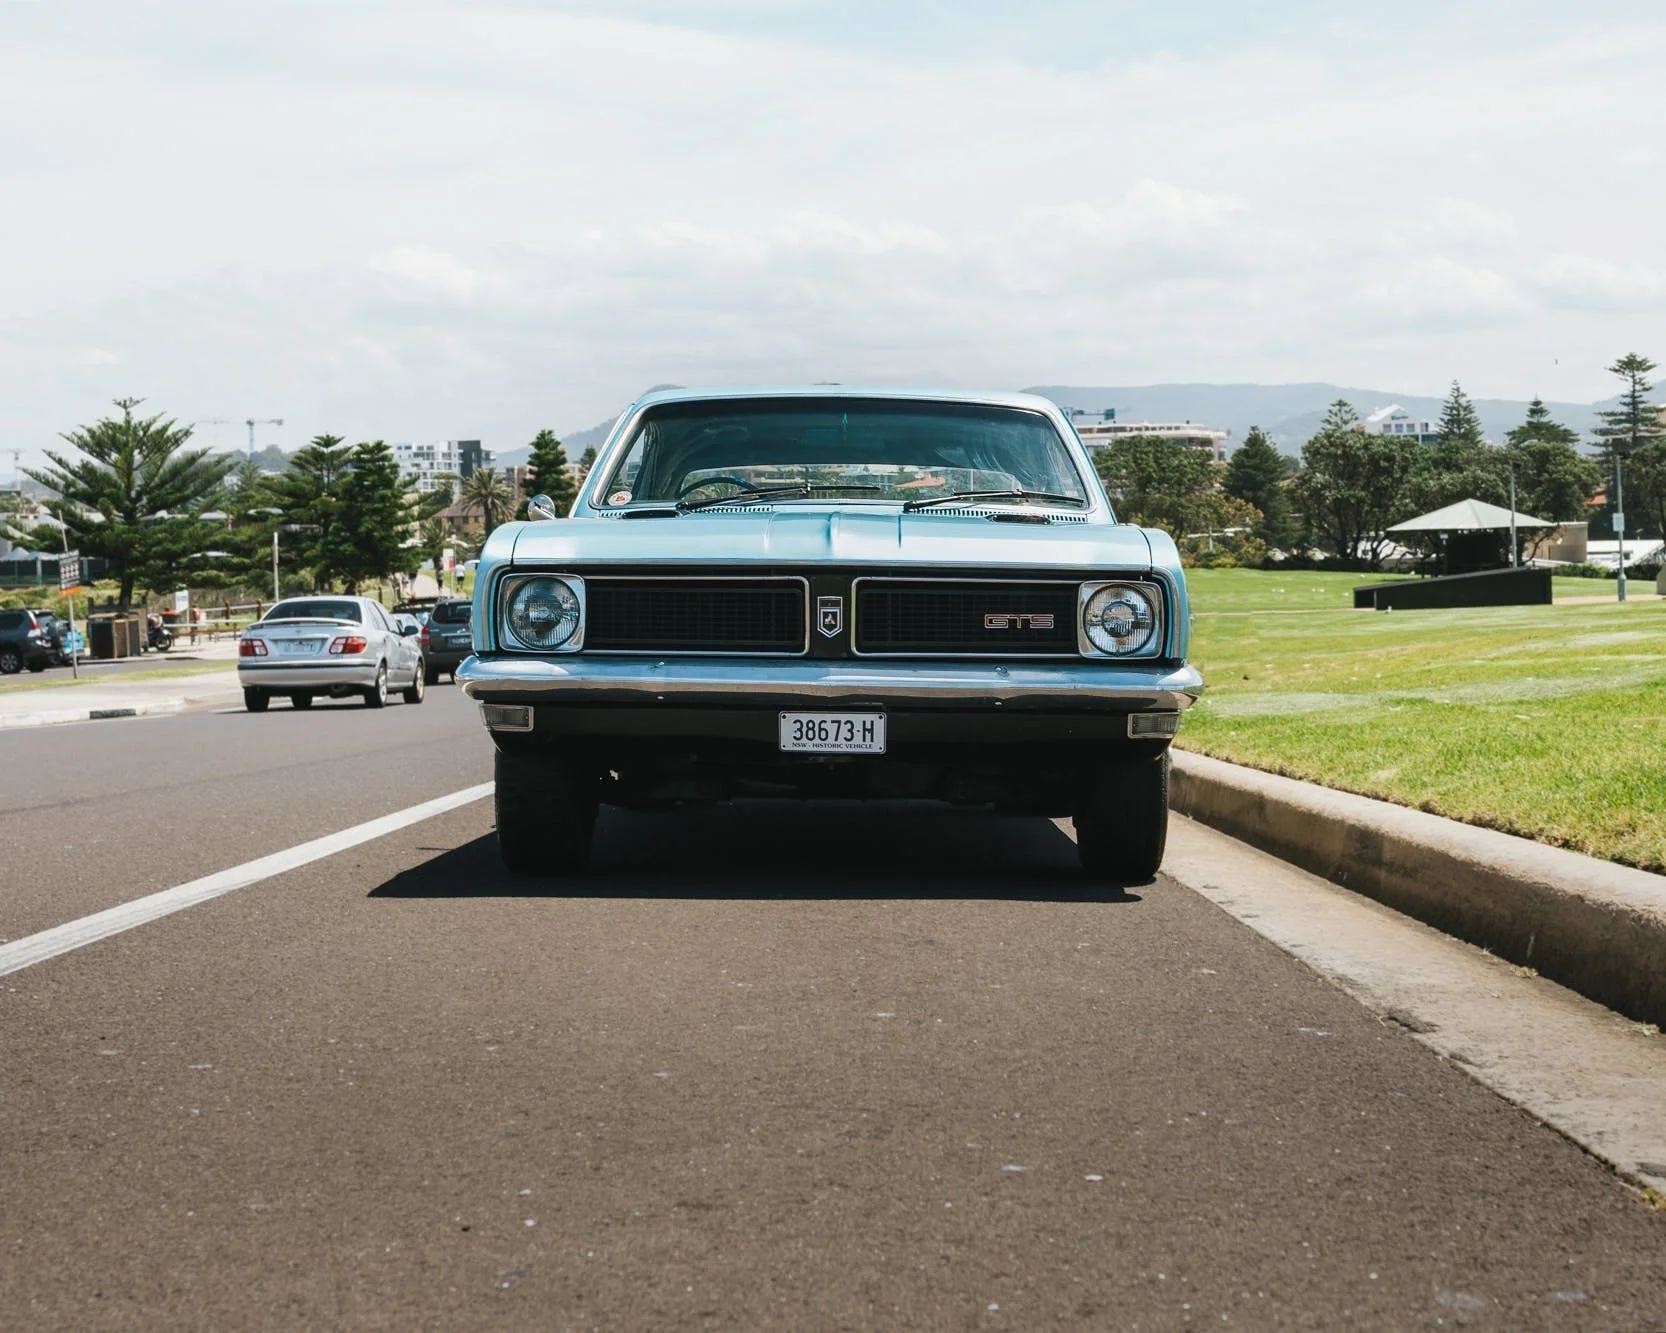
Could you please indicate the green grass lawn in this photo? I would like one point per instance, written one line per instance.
(1546, 721)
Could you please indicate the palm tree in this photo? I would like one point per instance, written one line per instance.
(486, 491)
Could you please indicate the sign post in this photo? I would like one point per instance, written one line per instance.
(69, 583)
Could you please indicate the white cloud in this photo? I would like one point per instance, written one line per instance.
(432, 219)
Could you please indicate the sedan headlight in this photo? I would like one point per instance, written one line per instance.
(544, 613)
(1119, 619)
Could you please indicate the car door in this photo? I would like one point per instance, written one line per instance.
(401, 650)
(393, 651)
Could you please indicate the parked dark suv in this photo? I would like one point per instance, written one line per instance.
(447, 638)
(23, 643)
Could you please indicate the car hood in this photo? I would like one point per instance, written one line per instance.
(834, 537)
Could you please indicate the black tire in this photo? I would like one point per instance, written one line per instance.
(545, 817)
(430, 674)
(418, 686)
(1122, 822)
(256, 700)
(301, 700)
(11, 661)
(377, 695)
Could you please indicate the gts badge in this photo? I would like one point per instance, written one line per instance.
(999, 620)
(830, 615)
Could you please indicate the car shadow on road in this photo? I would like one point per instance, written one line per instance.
(765, 850)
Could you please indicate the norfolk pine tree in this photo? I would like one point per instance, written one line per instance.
(367, 540)
(1553, 479)
(1257, 472)
(1632, 429)
(1352, 486)
(549, 475)
(131, 471)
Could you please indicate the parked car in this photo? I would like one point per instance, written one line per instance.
(57, 633)
(833, 592)
(24, 643)
(447, 638)
(336, 646)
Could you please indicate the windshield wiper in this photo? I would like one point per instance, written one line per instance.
(1044, 496)
(803, 489)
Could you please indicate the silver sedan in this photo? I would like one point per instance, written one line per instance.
(337, 646)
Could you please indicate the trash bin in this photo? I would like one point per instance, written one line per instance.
(101, 637)
(134, 625)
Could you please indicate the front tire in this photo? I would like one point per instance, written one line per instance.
(430, 675)
(545, 816)
(377, 695)
(11, 662)
(301, 700)
(256, 700)
(418, 687)
(1122, 822)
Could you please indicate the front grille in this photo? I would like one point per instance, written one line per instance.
(694, 615)
(965, 619)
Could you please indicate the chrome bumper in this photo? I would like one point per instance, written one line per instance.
(1127, 687)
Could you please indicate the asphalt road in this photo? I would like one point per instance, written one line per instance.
(774, 1066)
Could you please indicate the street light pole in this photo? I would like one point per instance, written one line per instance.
(1514, 546)
(1620, 519)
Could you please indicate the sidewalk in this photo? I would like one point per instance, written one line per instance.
(97, 699)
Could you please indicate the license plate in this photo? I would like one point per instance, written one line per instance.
(305, 645)
(833, 733)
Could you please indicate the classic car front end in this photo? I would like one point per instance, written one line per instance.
(832, 593)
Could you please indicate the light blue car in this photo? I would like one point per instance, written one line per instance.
(827, 591)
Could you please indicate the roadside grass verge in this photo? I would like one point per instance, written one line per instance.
(1547, 721)
(59, 677)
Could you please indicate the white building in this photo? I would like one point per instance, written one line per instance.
(1096, 433)
(424, 463)
(1395, 420)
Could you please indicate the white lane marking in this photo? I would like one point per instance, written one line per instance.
(32, 949)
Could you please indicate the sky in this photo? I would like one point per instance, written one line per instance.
(440, 220)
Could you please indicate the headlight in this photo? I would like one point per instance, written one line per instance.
(1118, 619)
(544, 613)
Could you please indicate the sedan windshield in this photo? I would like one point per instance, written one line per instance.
(852, 448)
(315, 608)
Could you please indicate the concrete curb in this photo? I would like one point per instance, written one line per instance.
(1594, 926)
(53, 716)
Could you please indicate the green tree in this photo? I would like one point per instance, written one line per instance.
(486, 492)
(1631, 423)
(1460, 464)
(433, 536)
(132, 496)
(366, 542)
(1258, 473)
(1352, 485)
(587, 460)
(1553, 479)
(309, 492)
(548, 473)
(433, 501)
(1164, 484)
(1646, 487)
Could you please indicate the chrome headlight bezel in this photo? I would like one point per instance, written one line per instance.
(1093, 642)
(515, 585)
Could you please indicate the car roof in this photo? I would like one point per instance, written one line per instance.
(991, 398)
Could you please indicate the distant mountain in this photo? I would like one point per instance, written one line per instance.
(576, 443)
(1288, 413)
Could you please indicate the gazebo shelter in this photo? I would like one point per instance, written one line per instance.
(1475, 532)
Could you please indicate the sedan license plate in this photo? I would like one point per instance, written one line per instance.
(305, 645)
(833, 733)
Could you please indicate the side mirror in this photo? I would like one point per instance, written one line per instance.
(406, 630)
(540, 506)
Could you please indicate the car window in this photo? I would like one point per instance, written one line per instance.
(869, 448)
(11, 620)
(453, 613)
(316, 608)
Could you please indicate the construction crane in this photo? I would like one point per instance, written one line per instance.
(251, 423)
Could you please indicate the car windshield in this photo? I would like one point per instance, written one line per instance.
(860, 448)
(452, 613)
(316, 608)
